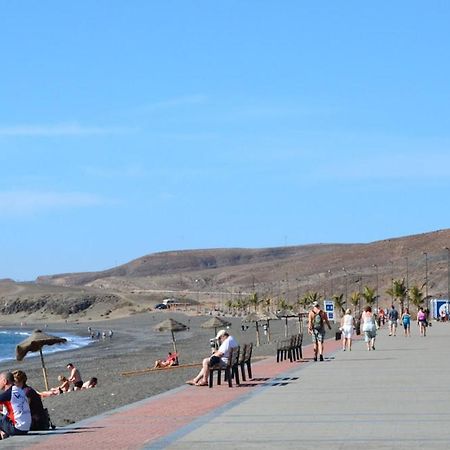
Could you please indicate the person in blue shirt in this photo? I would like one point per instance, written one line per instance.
(406, 321)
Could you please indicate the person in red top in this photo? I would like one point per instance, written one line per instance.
(171, 360)
(17, 419)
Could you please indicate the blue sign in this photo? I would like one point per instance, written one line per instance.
(329, 309)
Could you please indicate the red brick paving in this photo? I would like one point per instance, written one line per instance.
(157, 417)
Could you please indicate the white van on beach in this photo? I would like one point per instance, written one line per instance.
(170, 301)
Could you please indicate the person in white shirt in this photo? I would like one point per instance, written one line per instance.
(347, 325)
(220, 356)
(16, 418)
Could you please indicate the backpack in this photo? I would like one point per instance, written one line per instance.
(318, 321)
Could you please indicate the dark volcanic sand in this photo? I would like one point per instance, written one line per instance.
(134, 346)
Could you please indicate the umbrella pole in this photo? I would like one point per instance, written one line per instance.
(286, 328)
(44, 370)
(174, 343)
(257, 334)
(268, 332)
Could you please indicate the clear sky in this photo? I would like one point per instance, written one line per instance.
(132, 127)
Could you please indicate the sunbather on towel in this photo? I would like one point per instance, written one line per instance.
(171, 360)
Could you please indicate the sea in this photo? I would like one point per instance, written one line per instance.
(10, 338)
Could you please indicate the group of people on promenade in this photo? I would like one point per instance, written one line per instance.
(317, 323)
(22, 405)
(369, 324)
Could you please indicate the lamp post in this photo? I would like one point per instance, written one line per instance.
(198, 293)
(407, 279)
(376, 267)
(426, 275)
(346, 285)
(330, 275)
(448, 272)
(392, 281)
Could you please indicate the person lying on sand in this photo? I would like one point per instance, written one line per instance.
(92, 383)
(61, 389)
(171, 360)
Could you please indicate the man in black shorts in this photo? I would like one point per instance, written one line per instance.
(75, 377)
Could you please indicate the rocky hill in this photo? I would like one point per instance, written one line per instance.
(216, 275)
(288, 271)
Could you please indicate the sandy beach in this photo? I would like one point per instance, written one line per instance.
(134, 346)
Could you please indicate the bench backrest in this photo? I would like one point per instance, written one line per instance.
(234, 356)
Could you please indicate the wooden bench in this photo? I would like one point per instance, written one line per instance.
(231, 369)
(290, 348)
(245, 360)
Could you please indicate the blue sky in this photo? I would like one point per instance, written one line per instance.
(128, 128)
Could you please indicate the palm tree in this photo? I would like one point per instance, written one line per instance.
(398, 291)
(369, 296)
(339, 303)
(355, 298)
(415, 295)
(283, 304)
(229, 304)
(312, 297)
(241, 304)
(267, 303)
(254, 300)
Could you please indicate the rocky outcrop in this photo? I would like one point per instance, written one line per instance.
(58, 304)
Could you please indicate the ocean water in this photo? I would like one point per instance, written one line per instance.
(10, 338)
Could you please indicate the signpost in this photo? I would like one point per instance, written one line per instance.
(328, 306)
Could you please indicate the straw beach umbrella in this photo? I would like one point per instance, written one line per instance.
(253, 317)
(173, 326)
(216, 322)
(34, 343)
(285, 314)
(268, 316)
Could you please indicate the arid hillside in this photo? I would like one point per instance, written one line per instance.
(218, 274)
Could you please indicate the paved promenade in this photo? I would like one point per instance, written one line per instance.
(396, 397)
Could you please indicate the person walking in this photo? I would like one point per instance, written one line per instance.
(406, 321)
(316, 328)
(422, 322)
(393, 320)
(369, 327)
(347, 326)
